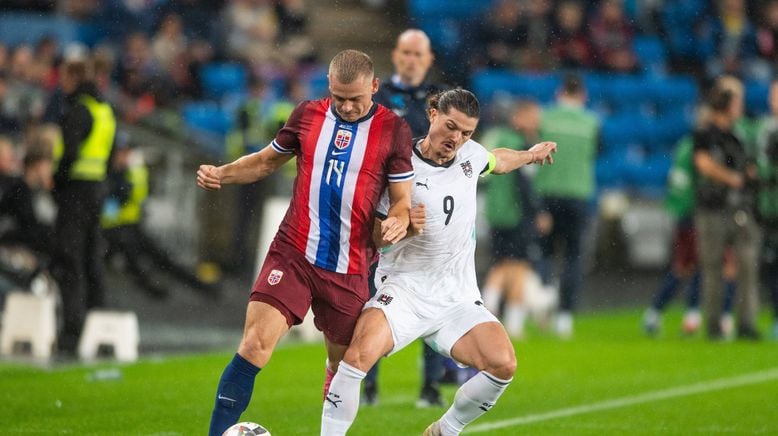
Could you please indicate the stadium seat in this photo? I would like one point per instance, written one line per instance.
(117, 330)
(756, 97)
(219, 79)
(673, 94)
(538, 87)
(651, 52)
(207, 116)
(460, 9)
(625, 130)
(29, 319)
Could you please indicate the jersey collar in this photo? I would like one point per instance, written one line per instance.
(369, 114)
(430, 162)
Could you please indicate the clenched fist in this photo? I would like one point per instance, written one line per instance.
(209, 178)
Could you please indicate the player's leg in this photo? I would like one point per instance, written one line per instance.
(372, 339)
(370, 385)
(487, 348)
(279, 299)
(711, 235)
(265, 325)
(571, 226)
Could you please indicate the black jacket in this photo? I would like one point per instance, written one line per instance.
(409, 103)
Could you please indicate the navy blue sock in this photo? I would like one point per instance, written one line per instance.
(233, 394)
(694, 291)
(666, 291)
(729, 295)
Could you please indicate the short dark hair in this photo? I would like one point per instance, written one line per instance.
(720, 98)
(349, 65)
(460, 99)
(572, 84)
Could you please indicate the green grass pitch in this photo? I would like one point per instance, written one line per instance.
(609, 380)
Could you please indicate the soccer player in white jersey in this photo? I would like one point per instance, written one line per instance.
(427, 284)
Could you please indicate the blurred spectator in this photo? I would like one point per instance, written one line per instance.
(169, 43)
(501, 35)
(735, 39)
(9, 162)
(46, 57)
(253, 30)
(80, 9)
(8, 122)
(88, 129)
(510, 211)
(688, 28)
(570, 44)
(566, 190)
(611, 36)
(294, 38)
(767, 35)
(724, 214)
(136, 74)
(767, 204)
(122, 223)
(25, 100)
(539, 26)
(16, 198)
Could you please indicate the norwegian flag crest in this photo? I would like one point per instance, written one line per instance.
(275, 277)
(467, 168)
(342, 139)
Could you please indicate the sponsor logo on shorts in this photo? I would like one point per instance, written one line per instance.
(467, 168)
(275, 277)
(385, 299)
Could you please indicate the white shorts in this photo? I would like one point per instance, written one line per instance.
(440, 331)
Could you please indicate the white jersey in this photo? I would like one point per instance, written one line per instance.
(439, 264)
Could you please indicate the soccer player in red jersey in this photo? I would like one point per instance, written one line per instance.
(348, 150)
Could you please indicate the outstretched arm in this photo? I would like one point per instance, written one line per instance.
(247, 169)
(508, 160)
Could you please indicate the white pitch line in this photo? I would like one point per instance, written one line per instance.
(681, 391)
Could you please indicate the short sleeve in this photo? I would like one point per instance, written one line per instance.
(287, 140)
(399, 167)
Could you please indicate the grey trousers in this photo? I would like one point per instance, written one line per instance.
(715, 231)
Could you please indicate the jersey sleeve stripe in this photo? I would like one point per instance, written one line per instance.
(400, 177)
(280, 149)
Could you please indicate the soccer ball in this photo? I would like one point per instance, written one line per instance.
(246, 429)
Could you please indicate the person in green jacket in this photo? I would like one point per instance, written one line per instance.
(510, 210)
(566, 191)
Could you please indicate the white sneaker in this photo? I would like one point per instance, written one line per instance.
(651, 321)
(564, 325)
(692, 321)
(727, 325)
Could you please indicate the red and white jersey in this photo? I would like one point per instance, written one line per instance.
(342, 168)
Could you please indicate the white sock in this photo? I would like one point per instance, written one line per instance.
(515, 314)
(342, 401)
(473, 399)
(491, 298)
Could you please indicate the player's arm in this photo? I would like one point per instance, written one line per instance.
(395, 226)
(708, 167)
(247, 169)
(507, 160)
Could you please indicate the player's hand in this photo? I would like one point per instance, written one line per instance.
(392, 230)
(418, 219)
(209, 178)
(544, 223)
(542, 152)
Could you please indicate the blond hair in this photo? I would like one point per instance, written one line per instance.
(349, 65)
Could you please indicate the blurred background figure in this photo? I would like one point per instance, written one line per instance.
(565, 193)
(724, 212)
(511, 208)
(88, 128)
(767, 200)
(122, 221)
(684, 265)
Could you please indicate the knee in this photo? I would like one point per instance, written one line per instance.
(255, 349)
(502, 366)
(359, 358)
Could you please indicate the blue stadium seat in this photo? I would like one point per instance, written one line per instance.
(207, 116)
(673, 94)
(652, 54)
(623, 131)
(220, 79)
(756, 97)
(538, 87)
(461, 9)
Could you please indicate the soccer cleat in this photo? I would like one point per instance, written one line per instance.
(651, 321)
(564, 325)
(430, 397)
(433, 430)
(692, 321)
(748, 333)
